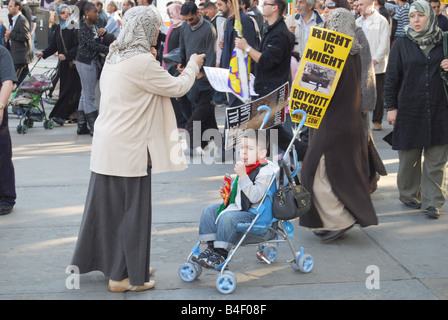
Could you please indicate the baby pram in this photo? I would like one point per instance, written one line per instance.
(27, 101)
(264, 231)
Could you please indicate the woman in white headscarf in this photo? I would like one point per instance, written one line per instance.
(135, 135)
(417, 108)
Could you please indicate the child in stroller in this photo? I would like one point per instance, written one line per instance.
(218, 227)
(261, 228)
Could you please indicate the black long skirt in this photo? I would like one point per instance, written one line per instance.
(115, 232)
(69, 92)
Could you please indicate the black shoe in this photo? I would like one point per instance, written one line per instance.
(333, 235)
(320, 233)
(91, 118)
(58, 121)
(5, 210)
(433, 212)
(82, 123)
(214, 261)
(412, 205)
(203, 256)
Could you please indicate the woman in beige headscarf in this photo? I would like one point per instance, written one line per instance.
(135, 133)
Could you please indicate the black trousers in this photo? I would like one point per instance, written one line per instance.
(203, 114)
(7, 176)
(378, 112)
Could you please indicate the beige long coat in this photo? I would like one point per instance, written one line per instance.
(136, 118)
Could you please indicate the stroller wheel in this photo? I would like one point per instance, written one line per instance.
(198, 268)
(48, 124)
(22, 129)
(305, 265)
(270, 253)
(187, 272)
(29, 122)
(226, 282)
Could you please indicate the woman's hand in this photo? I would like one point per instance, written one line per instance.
(444, 64)
(61, 57)
(153, 52)
(392, 116)
(39, 54)
(198, 58)
(101, 32)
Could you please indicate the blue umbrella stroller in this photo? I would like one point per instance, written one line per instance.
(265, 232)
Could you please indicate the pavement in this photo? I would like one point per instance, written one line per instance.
(405, 257)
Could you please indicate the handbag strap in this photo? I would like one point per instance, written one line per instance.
(445, 45)
(284, 170)
(62, 38)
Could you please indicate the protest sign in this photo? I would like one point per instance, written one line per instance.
(318, 75)
(247, 116)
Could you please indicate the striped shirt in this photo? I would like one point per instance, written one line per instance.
(401, 14)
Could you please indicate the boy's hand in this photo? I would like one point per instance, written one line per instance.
(221, 191)
(240, 169)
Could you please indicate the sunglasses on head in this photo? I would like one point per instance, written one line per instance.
(329, 5)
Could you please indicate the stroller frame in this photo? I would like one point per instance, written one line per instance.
(277, 231)
(33, 111)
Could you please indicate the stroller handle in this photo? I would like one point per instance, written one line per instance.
(266, 117)
(302, 122)
(304, 115)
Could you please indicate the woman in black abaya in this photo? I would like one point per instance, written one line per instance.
(335, 168)
(65, 42)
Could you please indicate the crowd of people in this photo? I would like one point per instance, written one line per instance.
(394, 64)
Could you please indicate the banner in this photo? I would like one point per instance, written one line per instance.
(219, 77)
(247, 116)
(319, 71)
(239, 72)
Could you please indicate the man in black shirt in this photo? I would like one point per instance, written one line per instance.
(7, 180)
(273, 60)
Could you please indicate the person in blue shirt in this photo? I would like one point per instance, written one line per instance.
(114, 20)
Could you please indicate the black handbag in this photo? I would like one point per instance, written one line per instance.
(290, 201)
